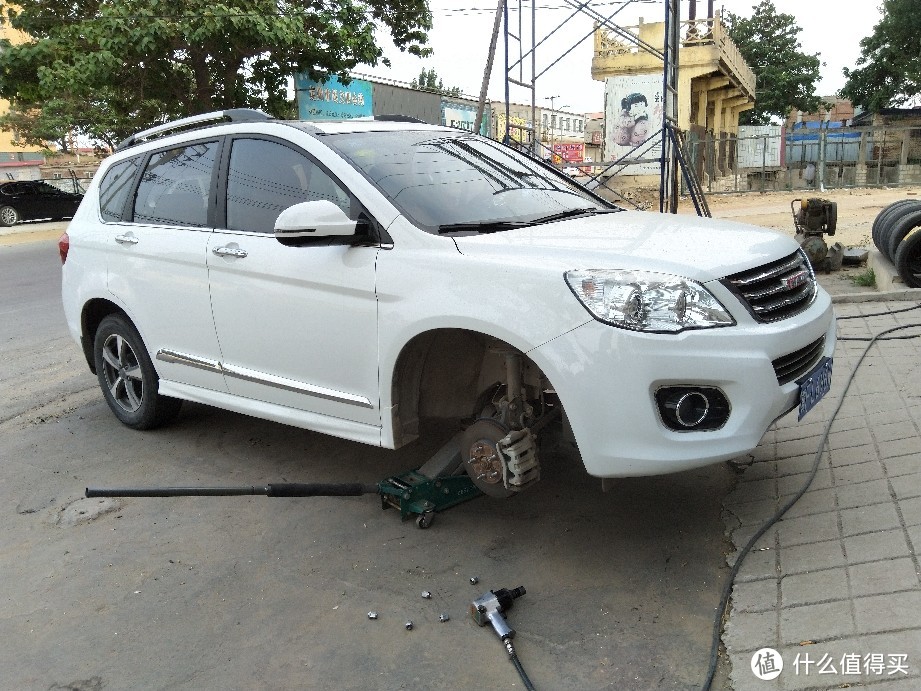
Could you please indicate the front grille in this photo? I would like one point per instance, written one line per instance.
(775, 291)
(799, 363)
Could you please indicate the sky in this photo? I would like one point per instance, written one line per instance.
(462, 30)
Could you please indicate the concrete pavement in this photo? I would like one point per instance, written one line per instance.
(834, 588)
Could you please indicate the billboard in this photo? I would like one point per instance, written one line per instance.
(516, 134)
(332, 100)
(633, 121)
(569, 152)
(461, 116)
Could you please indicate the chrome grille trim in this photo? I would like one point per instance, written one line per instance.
(764, 291)
(798, 363)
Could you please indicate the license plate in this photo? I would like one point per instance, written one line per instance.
(814, 387)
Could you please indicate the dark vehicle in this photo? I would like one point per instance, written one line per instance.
(34, 199)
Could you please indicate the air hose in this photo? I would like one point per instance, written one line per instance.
(727, 589)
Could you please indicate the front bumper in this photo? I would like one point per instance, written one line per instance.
(607, 377)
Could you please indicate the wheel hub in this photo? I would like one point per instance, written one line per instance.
(484, 463)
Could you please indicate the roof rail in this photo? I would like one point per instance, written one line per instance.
(194, 121)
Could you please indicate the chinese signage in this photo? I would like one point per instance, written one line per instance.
(570, 152)
(332, 100)
(516, 134)
(462, 116)
(633, 121)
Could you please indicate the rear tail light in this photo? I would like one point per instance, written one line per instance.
(64, 246)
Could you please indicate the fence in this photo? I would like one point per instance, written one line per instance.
(808, 158)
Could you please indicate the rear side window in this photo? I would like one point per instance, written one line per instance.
(115, 188)
(175, 186)
(265, 178)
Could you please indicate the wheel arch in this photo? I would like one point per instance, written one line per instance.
(94, 311)
(460, 361)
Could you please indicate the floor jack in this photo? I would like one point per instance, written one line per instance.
(438, 485)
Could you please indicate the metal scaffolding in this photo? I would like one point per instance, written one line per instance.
(521, 69)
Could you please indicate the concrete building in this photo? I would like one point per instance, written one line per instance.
(715, 85)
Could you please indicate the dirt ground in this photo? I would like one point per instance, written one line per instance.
(856, 209)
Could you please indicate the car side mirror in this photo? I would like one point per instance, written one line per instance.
(316, 219)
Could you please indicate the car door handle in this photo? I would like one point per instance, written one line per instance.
(229, 252)
(126, 239)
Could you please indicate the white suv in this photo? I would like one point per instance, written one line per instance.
(355, 277)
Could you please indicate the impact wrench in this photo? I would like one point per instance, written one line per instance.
(488, 608)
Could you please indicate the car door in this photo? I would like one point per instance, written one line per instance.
(55, 203)
(157, 270)
(297, 324)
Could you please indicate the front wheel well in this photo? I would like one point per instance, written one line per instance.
(444, 373)
(94, 312)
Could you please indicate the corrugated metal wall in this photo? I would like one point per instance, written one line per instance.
(396, 100)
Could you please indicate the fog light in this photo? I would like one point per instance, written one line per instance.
(692, 408)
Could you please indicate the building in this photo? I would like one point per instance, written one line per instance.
(841, 110)
(560, 131)
(17, 161)
(715, 85)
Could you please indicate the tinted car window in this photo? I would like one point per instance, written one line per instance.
(265, 178)
(175, 186)
(11, 188)
(115, 188)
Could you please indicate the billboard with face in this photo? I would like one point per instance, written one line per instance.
(633, 121)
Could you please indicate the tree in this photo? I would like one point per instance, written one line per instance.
(40, 127)
(428, 80)
(888, 71)
(786, 77)
(116, 66)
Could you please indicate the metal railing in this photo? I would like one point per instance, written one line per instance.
(808, 159)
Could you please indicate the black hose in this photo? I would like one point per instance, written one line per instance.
(727, 590)
(880, 314)
(513, 656)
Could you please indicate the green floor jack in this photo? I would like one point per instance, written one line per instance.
(438, 485)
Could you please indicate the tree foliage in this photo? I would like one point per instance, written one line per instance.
(428, 80)
(786, 76)
(888, 71)
(116, 66)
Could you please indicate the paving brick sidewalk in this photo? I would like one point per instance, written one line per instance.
(837, 581)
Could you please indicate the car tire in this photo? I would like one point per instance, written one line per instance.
(888, 216)
(908, 260)
(9, 216)
(898, 231)
(127, 377)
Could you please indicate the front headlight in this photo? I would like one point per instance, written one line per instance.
(647, 301)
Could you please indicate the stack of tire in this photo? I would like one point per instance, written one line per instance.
(897, 235)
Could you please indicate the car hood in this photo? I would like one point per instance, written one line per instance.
(698, 248)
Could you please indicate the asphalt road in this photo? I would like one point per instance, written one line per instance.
(253, 592)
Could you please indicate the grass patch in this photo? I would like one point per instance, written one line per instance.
(865, 279)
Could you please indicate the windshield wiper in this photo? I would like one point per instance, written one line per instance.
(569, 213)
(482, 226)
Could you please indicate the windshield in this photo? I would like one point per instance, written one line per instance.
(446, 181)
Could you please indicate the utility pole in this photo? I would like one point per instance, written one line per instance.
(550, 124)
(492, 53)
